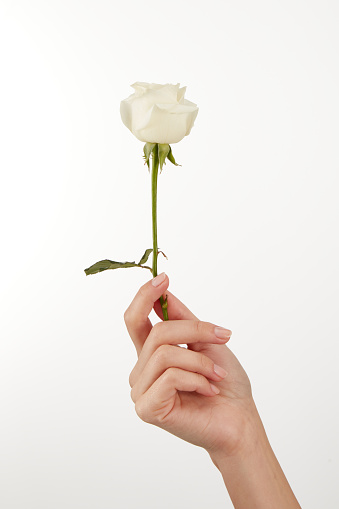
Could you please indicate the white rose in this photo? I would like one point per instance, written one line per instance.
(158, 113)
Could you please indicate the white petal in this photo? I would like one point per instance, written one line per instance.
(126, 113)
(181, 93)
(158, 113)
(139, 84)
(141, 112)
(190, 119)
(164, 127)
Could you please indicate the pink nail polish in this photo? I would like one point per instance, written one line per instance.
(218, 370)
(215, 389)
(222, 333)
(159, 279)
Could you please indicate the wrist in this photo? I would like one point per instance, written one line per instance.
(251, 472)
(247, 438)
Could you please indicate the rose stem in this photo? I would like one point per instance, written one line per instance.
(155, 168)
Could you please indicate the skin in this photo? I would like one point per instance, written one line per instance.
(172, 388)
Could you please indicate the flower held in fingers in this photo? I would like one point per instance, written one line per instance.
(158, 115)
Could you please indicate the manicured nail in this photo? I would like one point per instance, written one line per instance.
(218, 370)
(222, 333)
(215, 389)
(159, 279)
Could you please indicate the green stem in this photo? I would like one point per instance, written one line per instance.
(155, 169)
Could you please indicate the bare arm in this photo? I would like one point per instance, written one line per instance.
(252, 474)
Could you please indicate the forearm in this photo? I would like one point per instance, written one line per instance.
(252, 475)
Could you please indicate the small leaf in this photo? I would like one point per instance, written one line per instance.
(170, 157)
(163, 151)
(106, 265)
(145, 256)
(148, 147)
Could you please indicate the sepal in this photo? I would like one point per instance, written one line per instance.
(163, 151)
(170, 157)
(148, 147)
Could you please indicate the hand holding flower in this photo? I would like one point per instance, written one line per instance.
(186, 391)
(203, 395)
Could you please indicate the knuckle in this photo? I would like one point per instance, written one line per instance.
(206, 363)
(198, 326)
(127, 316)
(161, 354)
(170, 375)
(133, 395)
(156, 331)
(141, 411)
(133, 375)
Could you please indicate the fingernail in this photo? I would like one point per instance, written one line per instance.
(215, 389)
(218, 370)
(222, 333)
(159, 279)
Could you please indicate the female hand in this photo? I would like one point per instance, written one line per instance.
(171, 385)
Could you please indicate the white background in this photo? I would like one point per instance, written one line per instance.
(249, 223)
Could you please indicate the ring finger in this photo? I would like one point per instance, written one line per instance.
(169, 356)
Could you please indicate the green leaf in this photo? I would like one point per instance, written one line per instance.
(148, 147)
(170, 157)
(145, 256)
(163, 151)
(108, 264)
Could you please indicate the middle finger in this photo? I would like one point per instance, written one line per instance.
(167, 356)
(175, 332)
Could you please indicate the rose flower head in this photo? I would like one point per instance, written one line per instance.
(158, 113)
